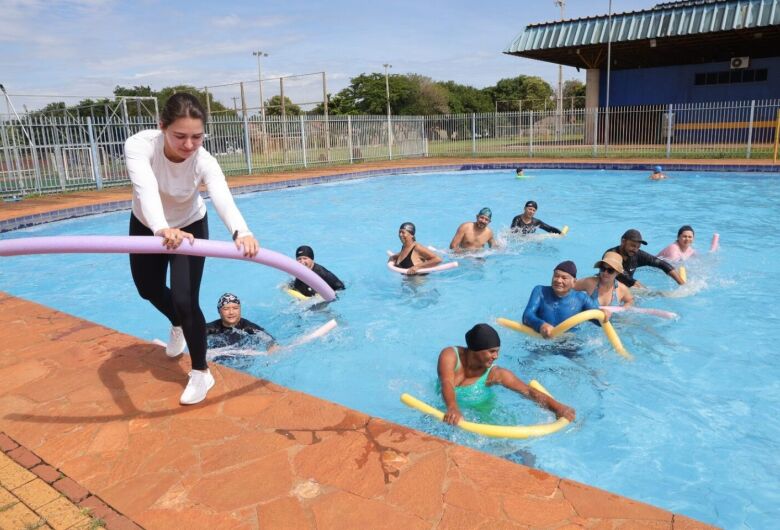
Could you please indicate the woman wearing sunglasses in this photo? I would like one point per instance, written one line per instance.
(604, 287)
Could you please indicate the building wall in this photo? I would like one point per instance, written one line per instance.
(675, 84)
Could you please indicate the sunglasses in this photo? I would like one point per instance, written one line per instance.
(608, 270)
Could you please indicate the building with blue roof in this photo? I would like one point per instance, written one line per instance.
(692, 51)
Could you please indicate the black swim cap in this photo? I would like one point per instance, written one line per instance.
(684, 228)
(568, 267)
(304, 250)
(409, 227)
(482, 337)
(531, 203)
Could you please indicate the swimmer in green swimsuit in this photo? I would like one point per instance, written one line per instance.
(466, 376)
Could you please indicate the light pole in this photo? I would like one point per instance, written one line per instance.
(559, 106)
(609, 68)
(389, 123)
(259, 54)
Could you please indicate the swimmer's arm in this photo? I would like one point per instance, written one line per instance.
(676, 277)
(583, 284)
(458, 237)
(512, 382)
(532, 308)
(446, 369)
(625, 296)
(429, 260)
(547, 228)
(492, 242)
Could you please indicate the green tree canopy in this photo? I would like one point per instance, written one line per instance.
(466, 99)
(534, 92)
(573, 88)
(273, 107)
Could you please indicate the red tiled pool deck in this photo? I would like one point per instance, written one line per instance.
(102, 408)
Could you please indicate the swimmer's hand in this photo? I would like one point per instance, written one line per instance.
(453, 416)
(546, 330)
(411, 271)
(249, 244)
(173, 237)
(564, 411)
(607, 314)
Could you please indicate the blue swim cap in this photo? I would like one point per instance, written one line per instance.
(486, 212)
(658, 169)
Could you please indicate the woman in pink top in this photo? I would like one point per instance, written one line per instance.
(682, 249)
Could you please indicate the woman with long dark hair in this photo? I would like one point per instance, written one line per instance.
(167, 167)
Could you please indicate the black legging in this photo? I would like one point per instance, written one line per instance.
(180, 303)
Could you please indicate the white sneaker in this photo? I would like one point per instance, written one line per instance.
(176, 342)
(199, 385)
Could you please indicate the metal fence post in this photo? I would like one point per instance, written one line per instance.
(473, 134)
(530, 133)
(389, 137)
(424, 137)
(349, 139)
(669, 131)
(95, 159)
(247, 145)
(595, 131)
(303, 141)
(750, 127)
(11, 159)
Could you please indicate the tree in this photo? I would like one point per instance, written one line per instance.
(464, 99)
(574, 88)
(273, 107)
(366, 94)
(534, 92)
(425, 97)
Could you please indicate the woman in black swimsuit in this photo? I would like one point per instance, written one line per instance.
(413, 256)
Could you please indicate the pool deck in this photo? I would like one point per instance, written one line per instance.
(96, 411)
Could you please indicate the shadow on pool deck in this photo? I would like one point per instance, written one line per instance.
(103, 408)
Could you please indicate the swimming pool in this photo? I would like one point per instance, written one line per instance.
(688, 425)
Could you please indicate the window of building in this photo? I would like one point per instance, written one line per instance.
(727, 77)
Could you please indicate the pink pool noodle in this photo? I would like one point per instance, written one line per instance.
(153, 245)
(715, 242)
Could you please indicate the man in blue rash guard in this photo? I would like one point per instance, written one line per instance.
(634, 257)
(549, 306)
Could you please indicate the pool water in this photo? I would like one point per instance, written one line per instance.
(690, 425)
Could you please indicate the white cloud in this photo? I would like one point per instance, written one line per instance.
(237, 21)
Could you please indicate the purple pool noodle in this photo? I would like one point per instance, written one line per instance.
(153, 245)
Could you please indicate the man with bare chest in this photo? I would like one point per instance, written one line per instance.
(474, 235)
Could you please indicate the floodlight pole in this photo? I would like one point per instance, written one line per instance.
(562, 5)
(609, 67)
(389, 122)
(260, 54)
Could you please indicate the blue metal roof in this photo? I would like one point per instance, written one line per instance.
(671, 19)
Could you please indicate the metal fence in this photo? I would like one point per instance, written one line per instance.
(47, 155)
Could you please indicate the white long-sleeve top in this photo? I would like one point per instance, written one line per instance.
(166, 194)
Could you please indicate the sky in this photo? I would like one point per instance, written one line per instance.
(84, 48)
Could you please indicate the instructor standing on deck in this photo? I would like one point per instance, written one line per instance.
(167, 167)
